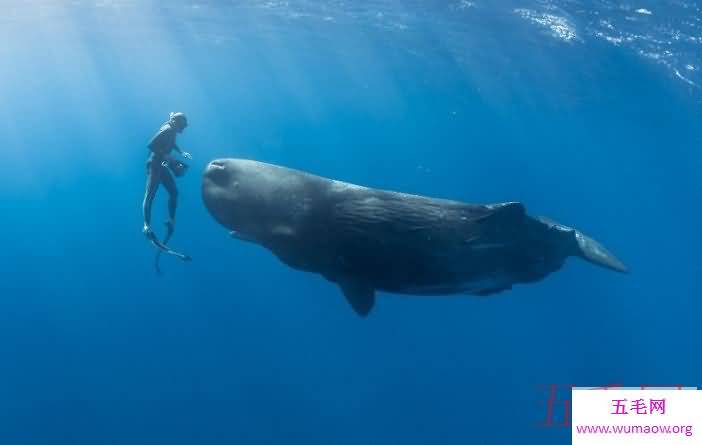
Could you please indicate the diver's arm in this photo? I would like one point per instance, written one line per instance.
(185, 154)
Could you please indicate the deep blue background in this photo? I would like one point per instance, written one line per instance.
(454, 100)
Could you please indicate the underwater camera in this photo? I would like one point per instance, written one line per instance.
(177, 167)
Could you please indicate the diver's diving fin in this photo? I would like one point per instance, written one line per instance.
(169, 234)
(360, 296)
(594, 252)
(164, 248)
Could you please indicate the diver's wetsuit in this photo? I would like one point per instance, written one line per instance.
(160, 145)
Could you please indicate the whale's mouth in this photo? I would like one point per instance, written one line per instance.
(216, 172)
(216, 165)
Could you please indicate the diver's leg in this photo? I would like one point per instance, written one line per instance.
(170, 185)
(152, 181)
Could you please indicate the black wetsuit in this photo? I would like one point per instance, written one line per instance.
(160, 145)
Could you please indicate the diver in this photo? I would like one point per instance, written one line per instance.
(158, 171)
(158, 165)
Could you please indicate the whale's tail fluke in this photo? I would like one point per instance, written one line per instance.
(594, 252)
(578, 244)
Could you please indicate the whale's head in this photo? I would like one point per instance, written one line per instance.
(252, 198)
(234, 193)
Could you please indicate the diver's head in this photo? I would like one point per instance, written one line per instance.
(178, 121)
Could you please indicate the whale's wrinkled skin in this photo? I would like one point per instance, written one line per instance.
(365, 239)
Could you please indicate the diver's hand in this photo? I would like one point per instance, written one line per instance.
(187, 155)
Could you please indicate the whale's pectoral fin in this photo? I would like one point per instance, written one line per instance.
(360, 296)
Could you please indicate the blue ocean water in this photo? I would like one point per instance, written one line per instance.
(586, 111)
